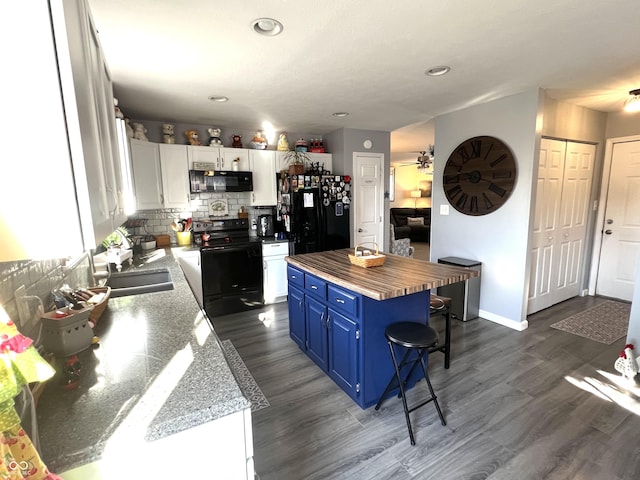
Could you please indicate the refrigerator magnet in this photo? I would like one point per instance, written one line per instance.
(308, 199)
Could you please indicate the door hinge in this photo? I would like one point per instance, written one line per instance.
(357, 387)
(357, 334)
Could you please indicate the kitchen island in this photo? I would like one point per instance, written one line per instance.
(338, 312)
(155, 396)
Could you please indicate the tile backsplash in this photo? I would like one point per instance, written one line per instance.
(39, 277)
(159, 220)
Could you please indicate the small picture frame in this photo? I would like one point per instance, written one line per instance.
(218, 207)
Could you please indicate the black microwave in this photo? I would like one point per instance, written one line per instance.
(220, 181)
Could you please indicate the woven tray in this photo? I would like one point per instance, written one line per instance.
(99, 308)
(366, 261)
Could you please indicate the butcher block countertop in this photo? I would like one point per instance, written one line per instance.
(397, 277)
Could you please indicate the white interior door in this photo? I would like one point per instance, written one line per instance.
(574, 214)
(368, 199)
(565, 174)
(621, 231)
(546, 220)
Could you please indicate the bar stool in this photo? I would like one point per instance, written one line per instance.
(412, 336)
(439, 305)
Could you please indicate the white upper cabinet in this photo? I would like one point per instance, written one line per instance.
(71, 168)
(175, 176)
(263, 165)
(160, 175)
(147, 176)
(221, 157)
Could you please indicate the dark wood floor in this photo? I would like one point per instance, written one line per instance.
(537, 404)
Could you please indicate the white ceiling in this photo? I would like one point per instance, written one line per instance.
(365, 57)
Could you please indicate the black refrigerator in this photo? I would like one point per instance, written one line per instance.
(316, 218)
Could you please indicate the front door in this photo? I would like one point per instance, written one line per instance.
(368, 200)
(621, 230)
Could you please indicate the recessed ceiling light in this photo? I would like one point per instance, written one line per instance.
(218, 98)
(437, 71)
(267, 26)
(340, 114)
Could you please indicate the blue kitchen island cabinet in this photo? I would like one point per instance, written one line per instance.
(338, 313)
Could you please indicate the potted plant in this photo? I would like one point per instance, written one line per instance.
(296, 161)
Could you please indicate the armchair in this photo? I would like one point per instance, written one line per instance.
(401, 246)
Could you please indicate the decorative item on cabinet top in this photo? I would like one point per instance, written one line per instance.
(168, 133)
(192, 137)
(140, 132)
(214, 137)
(259, 142)
(236, 141)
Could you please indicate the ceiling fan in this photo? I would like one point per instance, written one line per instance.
(424, 160)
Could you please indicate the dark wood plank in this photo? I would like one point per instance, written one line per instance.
(518, 405)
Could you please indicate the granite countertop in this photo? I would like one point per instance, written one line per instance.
(159, 369)
(398, 276)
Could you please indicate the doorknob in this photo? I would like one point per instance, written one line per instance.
(609, 221)
(608, 232)
(360, 230)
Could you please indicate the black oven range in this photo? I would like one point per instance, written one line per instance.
(231, 265)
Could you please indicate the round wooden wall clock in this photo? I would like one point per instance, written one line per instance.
(479, 175)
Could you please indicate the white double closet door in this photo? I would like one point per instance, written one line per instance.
(565, 176)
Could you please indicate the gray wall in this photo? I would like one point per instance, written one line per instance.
(622, 124)
(344, 142)
(498, 240)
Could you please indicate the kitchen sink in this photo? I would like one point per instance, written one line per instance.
(135, 283)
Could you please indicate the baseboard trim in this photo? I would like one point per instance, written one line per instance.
(504, 321)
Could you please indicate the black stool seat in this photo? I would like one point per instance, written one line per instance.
(413, 337)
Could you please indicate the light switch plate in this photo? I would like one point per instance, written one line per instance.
(444, 209)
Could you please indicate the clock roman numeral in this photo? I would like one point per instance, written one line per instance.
(451, 178)
(473, 206)
(488, 204)
(498, 190)
(463, 153)
(462, 200)
(488, 151)
(498, 160)
(476, 147)
(502, 174)
(454, 191)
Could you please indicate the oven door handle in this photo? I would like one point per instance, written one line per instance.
(226, 249)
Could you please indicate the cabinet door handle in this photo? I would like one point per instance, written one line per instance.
(322, 320)
(339, 300)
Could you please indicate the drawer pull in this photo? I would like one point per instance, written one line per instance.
(293, 277)
(339, 300)
(313, 287)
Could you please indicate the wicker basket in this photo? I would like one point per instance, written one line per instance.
(99, 308)
(367, 260)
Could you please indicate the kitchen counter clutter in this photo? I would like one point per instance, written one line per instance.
(338, 313)
(157, 384)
